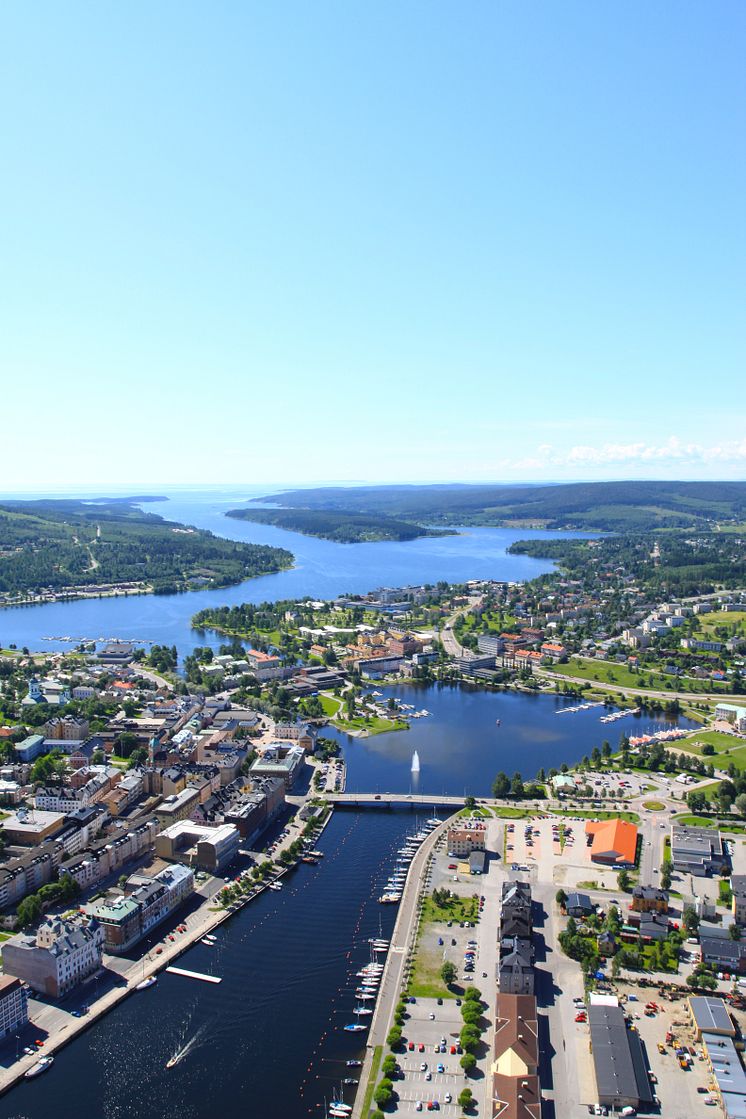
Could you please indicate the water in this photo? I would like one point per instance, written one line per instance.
(460, 748)
(270, 1038)
(323, 569)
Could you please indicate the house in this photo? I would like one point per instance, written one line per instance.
(13, 1006)
(724, 953)
(613, 842)
(129, 917)
(738, 903)
(563, 783)
(515, 970)
(464, 839)
(607, 945)
(516, 919)
(647, 899)
(618, 1060)
(62, 953)
(579, 905)
(697, 851)
(514, 1071)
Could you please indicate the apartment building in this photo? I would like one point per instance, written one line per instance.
(57, 957)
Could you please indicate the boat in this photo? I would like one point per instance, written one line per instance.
(206, 940)
(209, 936)
(145, 983)
(172, 1061)
(41, 1066)
(350, 1080)
(355, 1027)
(364, 996)
(363, 1010)
(497, 722)
(317, 854)
(354, 1064)
(275, 885)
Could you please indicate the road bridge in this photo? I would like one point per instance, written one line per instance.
(395, 800)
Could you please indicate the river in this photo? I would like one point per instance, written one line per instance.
(323, 569)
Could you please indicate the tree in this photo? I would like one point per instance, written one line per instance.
(690, 919)
(389, 1066)
(393, 1040)
(448, 973)
(383, 1092)
(741, 803)
(501, 786)
(696, 801)
(517, 789)
(623, 879)
(468, 1062)
(471, 1012)
(734, 932)
(666, 876)
(470, 802)
(465, 1098)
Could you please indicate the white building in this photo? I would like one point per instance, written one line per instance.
(13, 1006)
(60, 955)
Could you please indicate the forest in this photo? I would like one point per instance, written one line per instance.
(600, 506)
(59, 544)
(338, 525)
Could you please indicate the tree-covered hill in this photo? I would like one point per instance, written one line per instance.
(58, 544)
(337, 525)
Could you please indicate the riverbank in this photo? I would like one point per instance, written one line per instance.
(401, 946)
(62, 1027)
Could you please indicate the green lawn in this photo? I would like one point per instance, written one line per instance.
(426, 981)
(721, 743)
(373, 724)
(600, 814)
(606, 672)
(330, 704)
(508, 813)
(695, 821)
(371, 1086)
(733, 621)
(653, 805)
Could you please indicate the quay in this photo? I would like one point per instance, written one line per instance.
(401, 946)
(194, 975)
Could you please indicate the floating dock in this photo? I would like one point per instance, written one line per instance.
(194, 975)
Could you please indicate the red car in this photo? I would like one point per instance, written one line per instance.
(453, 1049)
(452, 866)
(580, 1018)
(410, 1046)
(421, 1047)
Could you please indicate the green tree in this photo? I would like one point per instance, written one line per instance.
(468, 1062)
(383, 1092)
(501, 786)
(448, 973)
(465, 1098)
(690, 920)
(623, 879)
(561, 898)
(666, 876)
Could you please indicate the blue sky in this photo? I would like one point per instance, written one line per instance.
(389, 241)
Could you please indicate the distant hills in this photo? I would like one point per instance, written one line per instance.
(594, 506)
(338, 525)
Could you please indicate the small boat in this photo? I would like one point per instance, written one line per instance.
(145, 983)
(354, 1064)
(350, 1080)
(172, 1062)
(317, 854)
(497, 722)
(209, 943)
(275, 885)
(41, 1066)
(341, 1106)
(363, 1010)
(209, 936)
(355, 1027)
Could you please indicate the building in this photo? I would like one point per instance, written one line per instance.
(710, 1015)
(491, 644)
(578, 905)
(25, 875)
(730, 713)
(29, 828)
(515, 970)
(724, 953)
(176, 807)
(465, 839)
(649, 899)
(51, 692)
(13, 1006)
(618, 1060)
(30, 748)
(563, 783)
(516, 919)
(738, 903)
(67, 728)
(612, 842)
(515, 1066)
(697, 851)
(199, 846)
(57, 957)
(129, 917)
(727, 1072)
(280, 760)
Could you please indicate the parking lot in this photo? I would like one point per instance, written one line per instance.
(431, 1032)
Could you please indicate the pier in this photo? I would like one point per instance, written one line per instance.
(194, 975)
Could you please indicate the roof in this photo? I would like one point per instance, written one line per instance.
(621, 1071)
(613, 839)
(516, 1035)
(579, 901)
(711, 1015)
(726, 1064)
(516, 1097)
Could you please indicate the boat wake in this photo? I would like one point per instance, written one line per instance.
(185, 1049)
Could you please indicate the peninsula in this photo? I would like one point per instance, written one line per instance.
(341, 526)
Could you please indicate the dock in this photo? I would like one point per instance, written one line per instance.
(194, 975)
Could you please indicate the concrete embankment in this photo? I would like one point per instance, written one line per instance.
(401, 947)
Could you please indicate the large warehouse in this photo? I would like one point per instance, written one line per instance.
(621, 1070)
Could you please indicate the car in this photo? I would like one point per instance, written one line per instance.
(410, 1046)
(418, 1105)
(452, 866)
(440, 1003)
(412, 998)
(76, 1014)
(580, 1018)
(421, 1048)
(432, 1016)
(423, 1066)
(441, 1067)
(702, 1091)
(452, 1050)
(428, 1075)
(448, 1097)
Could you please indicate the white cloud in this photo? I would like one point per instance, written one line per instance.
(673, 450)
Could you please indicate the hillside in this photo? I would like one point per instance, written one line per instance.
(337, 525)
(602, 506)
(58, 544)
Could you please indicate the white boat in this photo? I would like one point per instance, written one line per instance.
(275, 885)
(145, 983)
(362, 1010)
(41, 1066)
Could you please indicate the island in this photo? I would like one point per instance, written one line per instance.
(63, 548)
(341, 526)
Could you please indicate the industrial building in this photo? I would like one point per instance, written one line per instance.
(621, 1071)
(697, 851)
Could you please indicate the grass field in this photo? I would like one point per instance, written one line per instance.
(604, 672)
(653, 805)
(721, 742)
(590, 814)
(330, 704)
(371, 1086)
(507, 813)
(733, 623)
(426, 981)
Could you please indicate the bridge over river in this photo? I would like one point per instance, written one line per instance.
(395, 800)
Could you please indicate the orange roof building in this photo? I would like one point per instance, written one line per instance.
(614, 842)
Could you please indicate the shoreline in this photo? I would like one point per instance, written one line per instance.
(206, 919)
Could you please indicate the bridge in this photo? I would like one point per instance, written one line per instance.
(394, 800)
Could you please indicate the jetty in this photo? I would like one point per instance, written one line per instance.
(194, 975)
